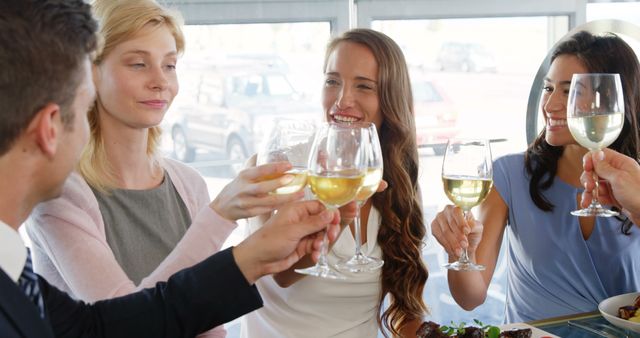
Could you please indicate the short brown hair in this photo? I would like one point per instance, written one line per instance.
(42, 46)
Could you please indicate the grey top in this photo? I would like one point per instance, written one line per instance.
(143, 226)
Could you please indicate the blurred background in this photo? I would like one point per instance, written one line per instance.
(472, 62)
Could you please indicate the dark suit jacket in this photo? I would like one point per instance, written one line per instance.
(193, 300)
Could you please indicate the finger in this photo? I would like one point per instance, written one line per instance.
(268, 170)
(587, 161)
(441, 230)
(382, 186)
(587, 196)
(251, 161)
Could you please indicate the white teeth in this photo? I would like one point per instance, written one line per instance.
(554, 122)
(341, 118)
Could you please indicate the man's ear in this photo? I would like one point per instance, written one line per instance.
(46, 128)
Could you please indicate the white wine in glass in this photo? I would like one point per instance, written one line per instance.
(336, 174)
(370, 148)
(595, 116)
(289, 140)
(467, 177)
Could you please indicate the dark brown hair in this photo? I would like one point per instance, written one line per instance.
(606, 53)
(42, 46)
(402, 227)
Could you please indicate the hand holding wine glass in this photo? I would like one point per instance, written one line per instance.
(595, 116)
(336, 174)
(467, 176)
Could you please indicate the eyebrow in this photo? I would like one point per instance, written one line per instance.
(361, 78)
(546, 79)
(144, 52)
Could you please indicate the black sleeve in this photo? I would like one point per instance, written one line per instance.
(192, 301)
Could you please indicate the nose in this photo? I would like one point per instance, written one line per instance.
(556, 102)
(158, 79)
(345, 98)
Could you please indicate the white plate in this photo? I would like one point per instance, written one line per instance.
(609, 310)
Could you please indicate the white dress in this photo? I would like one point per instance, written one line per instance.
(318, 307)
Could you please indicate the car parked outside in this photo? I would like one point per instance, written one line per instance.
(465, 57)
(435, 114)
(228, 109)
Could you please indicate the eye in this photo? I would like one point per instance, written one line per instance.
(365, 86)
(137, 65)
(547, 89)
(331, 82)
(171, 66)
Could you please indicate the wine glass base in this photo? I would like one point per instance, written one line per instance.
(360, 263)
(322, 271)
(464, 266)
(595, 211)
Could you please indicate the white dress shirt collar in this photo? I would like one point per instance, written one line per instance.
(13, 252)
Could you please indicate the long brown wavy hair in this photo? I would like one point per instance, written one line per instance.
(402, 227)
(599, 54)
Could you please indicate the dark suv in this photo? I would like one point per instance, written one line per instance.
(228, 109)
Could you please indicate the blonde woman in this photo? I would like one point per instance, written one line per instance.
(129, 217)
(366, 79)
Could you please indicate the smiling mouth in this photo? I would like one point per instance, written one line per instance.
(344, 118)
(556, 123)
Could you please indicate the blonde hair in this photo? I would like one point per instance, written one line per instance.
(120, 21)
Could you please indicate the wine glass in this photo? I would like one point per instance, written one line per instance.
(595, 116)
(336, 173)
(289, 140)
(373, 175)
(467, 176)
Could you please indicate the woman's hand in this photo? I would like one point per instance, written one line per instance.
(248, 194)
(454, 232)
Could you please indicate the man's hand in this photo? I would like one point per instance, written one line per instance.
(293, 232)
(622, 175)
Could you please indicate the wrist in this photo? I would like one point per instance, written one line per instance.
(247, 264)
(215, 206)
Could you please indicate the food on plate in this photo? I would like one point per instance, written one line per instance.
(630, 312)
(434, 330)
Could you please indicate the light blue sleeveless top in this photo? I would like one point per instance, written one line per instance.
(552, 270)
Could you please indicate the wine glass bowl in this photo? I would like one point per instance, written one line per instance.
(373, 163)
(467, 177)
(595, 117)
(336, 174)
(289, 140)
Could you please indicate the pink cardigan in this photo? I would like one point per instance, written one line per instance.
(70, 247)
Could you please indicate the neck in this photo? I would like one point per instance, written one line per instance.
(570, 164)
(20, 188)
(126, 149)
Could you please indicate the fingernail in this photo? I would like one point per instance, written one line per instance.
(600, 155)
(466, 231)
(327, 215)
(458, 252)
(464, 244)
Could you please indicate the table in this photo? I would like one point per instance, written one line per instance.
(559, 326)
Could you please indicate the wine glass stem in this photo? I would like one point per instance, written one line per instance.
(594, 201)
(357, 229)
(322, 260)
(464, 257)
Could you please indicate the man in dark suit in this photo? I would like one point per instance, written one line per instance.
(45, 92)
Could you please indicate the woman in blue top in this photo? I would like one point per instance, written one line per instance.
(558, 263)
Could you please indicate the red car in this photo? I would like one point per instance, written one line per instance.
(436, 116)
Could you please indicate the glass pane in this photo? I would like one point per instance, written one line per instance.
(471, 78)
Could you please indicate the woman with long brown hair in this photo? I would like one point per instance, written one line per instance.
(366, 80)
(558, 263)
